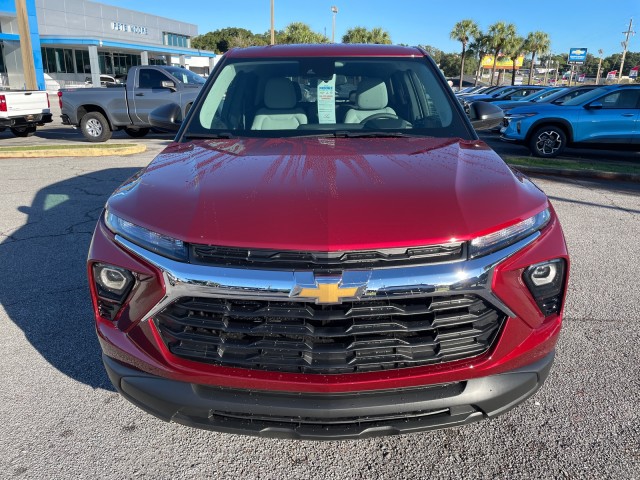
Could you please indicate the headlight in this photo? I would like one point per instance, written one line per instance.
(155, 242)
(515, 116)
(507, 236)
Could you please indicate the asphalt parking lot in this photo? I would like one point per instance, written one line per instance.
(63, 419)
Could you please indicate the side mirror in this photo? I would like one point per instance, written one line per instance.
(167, 117)
(594, 106)
(169, 84)
(485, 116)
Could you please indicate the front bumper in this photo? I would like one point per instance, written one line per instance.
(317, 416)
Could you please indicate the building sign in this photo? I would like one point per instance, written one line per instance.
(125, 27)
(577, 56)
(612, 75)
(503, 63)
(633, 73)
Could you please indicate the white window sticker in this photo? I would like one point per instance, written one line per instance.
(327, 101)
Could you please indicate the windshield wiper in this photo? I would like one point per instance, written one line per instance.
(370, 134)
(210, 135)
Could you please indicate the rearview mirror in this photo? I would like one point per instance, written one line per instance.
(167, 117)
(485, 116)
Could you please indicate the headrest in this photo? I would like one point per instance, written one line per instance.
(279, 94)
(341, 80)
(372, 94)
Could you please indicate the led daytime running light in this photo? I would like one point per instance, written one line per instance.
(508, 236)
(153, 241)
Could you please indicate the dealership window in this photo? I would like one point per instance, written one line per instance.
(176, 40)
(58, 60)
(83, 65)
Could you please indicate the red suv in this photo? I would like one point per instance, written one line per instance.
(327, 251)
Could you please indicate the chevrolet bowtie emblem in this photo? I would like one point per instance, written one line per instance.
(327, 290)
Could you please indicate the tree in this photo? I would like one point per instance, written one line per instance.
(514, 48)
(463, 31)
(480, 45)
(499, 34)
(380, 36)
(435, 53)
(536, 42)
(362, 35)
(299, 32)
(220, 41)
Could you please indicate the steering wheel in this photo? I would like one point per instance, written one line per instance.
(379, 116)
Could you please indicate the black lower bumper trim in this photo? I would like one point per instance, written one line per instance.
(328, 416)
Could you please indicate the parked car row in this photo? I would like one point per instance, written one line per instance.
(549, 119)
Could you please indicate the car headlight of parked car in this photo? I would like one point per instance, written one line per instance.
(153, 241)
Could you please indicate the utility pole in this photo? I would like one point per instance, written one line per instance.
(334, 10)
(273, 31)
(625, 45)
(26, 49)
(600, 52)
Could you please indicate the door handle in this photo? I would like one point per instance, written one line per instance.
(629, 114)
(139, 94)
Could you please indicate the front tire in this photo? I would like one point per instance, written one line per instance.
(95, 127)
(23, 131)
(548, 142)
(136, 132)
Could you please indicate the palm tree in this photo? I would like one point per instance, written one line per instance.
(514, 48)
(362, 35)
(380, 36)
(499, 33)
(356, 35)
(480, 46)
(463, 31)
(537, 42)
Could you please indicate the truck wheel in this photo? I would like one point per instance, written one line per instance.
(548, 142)
(95, 127)
(23, 131)
(136, 132)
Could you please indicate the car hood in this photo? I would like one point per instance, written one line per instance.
(539, 108)
(326, 194)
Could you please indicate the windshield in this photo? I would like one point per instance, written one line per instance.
(587, 97)
(539, 95)
(276, 97)
(185, 76)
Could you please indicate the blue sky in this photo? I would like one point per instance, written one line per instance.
(570, 23)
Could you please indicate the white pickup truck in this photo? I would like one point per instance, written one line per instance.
(24, 111)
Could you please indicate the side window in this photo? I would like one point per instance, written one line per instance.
(621, 99)
(151, 78)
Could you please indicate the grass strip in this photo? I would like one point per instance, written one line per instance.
(582, 165)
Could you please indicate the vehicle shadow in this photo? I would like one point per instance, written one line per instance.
(44, 289)
(67, 133)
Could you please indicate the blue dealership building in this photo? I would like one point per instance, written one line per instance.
(74, 41)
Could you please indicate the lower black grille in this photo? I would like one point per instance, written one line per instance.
(329, 339)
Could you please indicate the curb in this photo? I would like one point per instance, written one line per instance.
(592, 174)
(120, 149)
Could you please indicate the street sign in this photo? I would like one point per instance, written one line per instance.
(577, 56)
(633, 73)
(581, 78)
(612, 75)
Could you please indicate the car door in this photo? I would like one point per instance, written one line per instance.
(149, 93)
(612, 118)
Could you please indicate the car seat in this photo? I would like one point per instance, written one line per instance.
(371, 99)
(280, 111)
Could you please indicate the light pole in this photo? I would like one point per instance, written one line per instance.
(273, 32)
(600, 52)
(334, 10)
